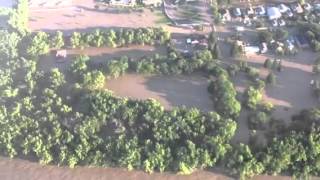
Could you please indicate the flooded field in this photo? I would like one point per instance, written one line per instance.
(135, 52)
(170, 91)
(14, 169)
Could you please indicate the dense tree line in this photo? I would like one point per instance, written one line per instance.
(119, 38)
(311, 30)
(41, 42)
(173, 63)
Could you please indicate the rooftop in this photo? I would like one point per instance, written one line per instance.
(6, 3)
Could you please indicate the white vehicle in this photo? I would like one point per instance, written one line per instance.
(283, 8)
(239, 28)
(281, 22)
(250, 11)
(236, 12)
(289, 13)
(274, 23)
(260, 10)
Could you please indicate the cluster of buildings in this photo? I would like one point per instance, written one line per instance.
(276, 14)
(134, 2)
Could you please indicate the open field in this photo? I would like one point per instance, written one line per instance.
(190, 90)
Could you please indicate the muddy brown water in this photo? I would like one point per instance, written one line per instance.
(170, 91)
(14, 169)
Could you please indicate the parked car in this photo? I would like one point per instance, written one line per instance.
(250, 11)
(307, 7)
(260, 10)
(236, 12)
(274, 23)
(281, 22)
(283, 8)
(289, 13)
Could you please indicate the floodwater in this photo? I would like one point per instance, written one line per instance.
(170, 91)
(15, 169)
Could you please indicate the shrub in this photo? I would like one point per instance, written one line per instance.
(258, 120)
(93, 80)
(268, 63)
(271, 79)
(252, 97)
(39, 44)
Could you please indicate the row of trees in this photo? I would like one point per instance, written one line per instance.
(40, 43)
(224, 96)
(311, 30)
(118, 38)
(173, 63)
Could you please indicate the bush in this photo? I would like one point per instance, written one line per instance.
(57, 41)
(252, 97)
(265, 36)
(94, 80)
(271, 79)
(39, 44)
(281, 34)
(253, 73)
(116, 68)
(233, 69)
(268, 63)
(259, 120)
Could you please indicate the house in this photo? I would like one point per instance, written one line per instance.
(273, 13)
(122, 2)
(260, 10)
(7, 3)
(283, 8)
(225, 15)
(152, 2)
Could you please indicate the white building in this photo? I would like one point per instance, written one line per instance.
(6, 3)
(273, 13)
(152, 2)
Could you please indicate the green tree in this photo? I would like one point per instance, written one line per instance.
(271, 79)
(252, 97)
(94, 80)
(57, 41)
(8, 45)
(75, 40)
(39, 44)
